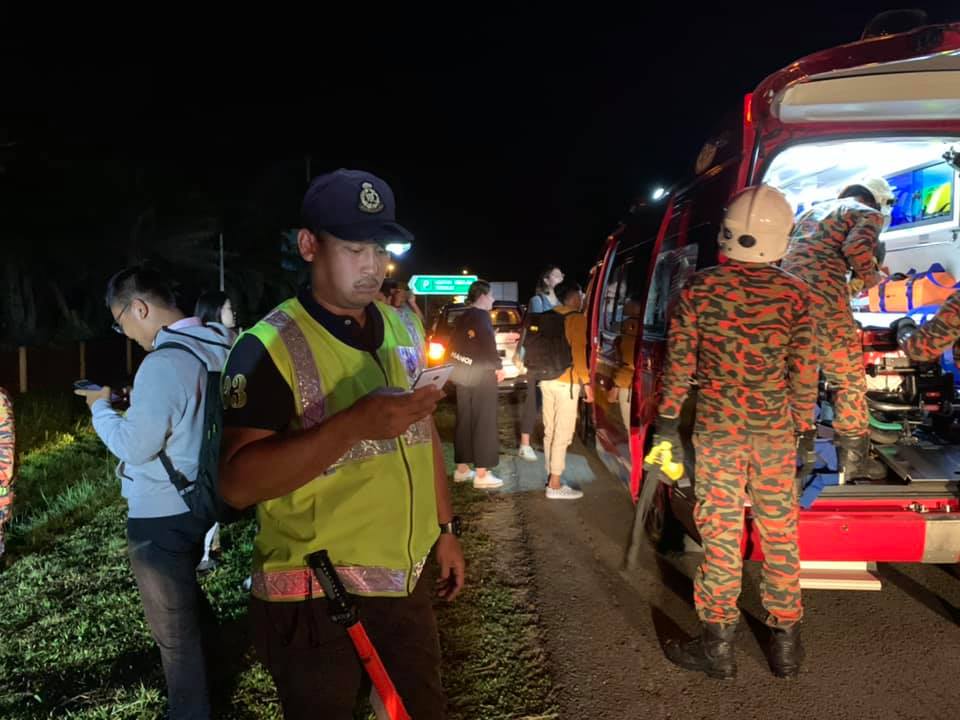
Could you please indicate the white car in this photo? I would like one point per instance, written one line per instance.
(507, 319)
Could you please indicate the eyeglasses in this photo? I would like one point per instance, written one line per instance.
(116, 323)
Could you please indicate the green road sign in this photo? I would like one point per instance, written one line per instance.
(441, 284)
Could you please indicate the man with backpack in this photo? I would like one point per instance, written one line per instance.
(555, 351)
(160, 444)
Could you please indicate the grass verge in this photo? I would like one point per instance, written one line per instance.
(75, 643)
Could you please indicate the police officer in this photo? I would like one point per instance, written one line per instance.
(478, 371)
(830, 240)
(743, 330)
(321, 433)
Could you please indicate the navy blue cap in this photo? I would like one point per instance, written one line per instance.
(353, 205)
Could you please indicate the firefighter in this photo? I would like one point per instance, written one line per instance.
(929, 342)
(830, 240)
(8, 458)
(743, 331)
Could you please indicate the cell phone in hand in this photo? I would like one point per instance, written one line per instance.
(435, 376)
(86, 385)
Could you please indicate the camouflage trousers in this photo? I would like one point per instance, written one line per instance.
(730, 469)
(840, 356)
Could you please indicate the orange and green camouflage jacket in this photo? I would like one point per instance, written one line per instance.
(827, 241)
(743, 332)
(931, 339)
(7, 455)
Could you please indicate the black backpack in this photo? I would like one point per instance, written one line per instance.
(202, 495)
(546, 352)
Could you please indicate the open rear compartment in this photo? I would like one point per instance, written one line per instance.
(914, 422)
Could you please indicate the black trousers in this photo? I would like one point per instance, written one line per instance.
(315, 666)
(477, 440)
(528, 411)
(164, 553)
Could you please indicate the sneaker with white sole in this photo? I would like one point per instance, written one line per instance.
(464, 477)
(564, 492)
(527, 453)
(487, 482)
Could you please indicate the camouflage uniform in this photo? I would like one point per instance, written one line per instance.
(828, 240)
(7, 460)
(743, 331)
(931, 339)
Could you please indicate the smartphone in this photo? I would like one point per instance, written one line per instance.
(86, 385)
(436, 376)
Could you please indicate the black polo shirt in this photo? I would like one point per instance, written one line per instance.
(266, 401)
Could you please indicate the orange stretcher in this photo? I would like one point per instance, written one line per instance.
(903, 293)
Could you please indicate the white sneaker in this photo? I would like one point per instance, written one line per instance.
(564, 492)
(464, 477)
(487, 482)
(527, 453)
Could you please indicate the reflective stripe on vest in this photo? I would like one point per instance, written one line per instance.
(304, 365)
(311, 387)
(301, 583)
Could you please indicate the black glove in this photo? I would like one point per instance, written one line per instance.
(904, 327)
(806, 457)
(668, 430)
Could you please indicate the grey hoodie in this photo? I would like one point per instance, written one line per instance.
(166, 413)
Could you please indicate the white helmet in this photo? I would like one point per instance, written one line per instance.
(757, 225)
(882, 195)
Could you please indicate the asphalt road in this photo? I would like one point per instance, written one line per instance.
(888, 654)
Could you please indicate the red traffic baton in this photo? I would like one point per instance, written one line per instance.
(343, 611)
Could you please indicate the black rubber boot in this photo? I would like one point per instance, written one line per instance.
(786, 651)
(853, 458)
(711, 653)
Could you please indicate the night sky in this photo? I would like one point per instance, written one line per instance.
(508, 140)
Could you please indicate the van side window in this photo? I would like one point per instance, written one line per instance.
(673, 269)
(614, 295)
(704, 236)
(676, 234)
(713, 193)
(626, 288)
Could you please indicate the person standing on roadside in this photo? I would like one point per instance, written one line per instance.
(543, 299)
(8, 457)
(478, 371)
(324, 437)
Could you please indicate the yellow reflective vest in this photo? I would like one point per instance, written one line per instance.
(375, 509)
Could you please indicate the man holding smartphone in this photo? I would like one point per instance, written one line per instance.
(322, 434)
(164, 539)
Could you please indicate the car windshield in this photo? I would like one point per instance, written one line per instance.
(504, 316)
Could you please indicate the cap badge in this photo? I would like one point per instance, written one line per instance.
(370, 201)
